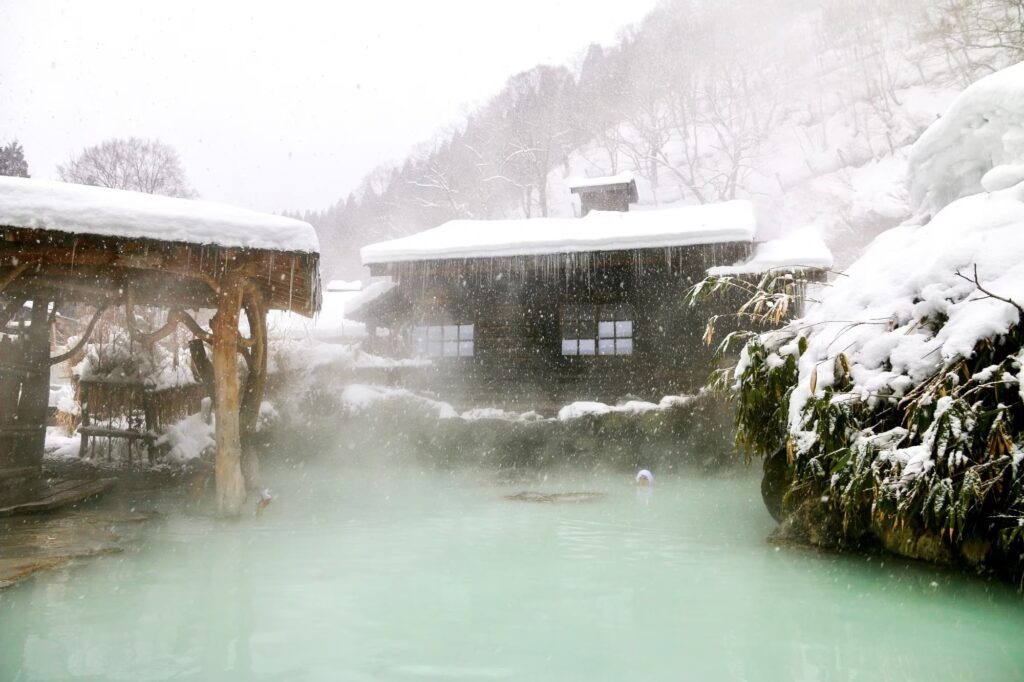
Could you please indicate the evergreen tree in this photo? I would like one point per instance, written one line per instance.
(12, 160)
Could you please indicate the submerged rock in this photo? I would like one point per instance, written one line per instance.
(530, 496)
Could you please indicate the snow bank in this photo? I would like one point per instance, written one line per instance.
(357, 398)
(802, 248)
(982, 130)
(634, 407)
(623, 178)
(81, 209)
(308, 356)
(599, 231)
(189, 438)
(874, 313)
(59, 446)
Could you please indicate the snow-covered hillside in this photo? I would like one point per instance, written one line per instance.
(806, 109)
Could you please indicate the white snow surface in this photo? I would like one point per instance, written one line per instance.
(873, 313)
(344, 285)
(622, 178)
(982, 130)
(188, 438)
(729, 221)
(333, 322)
(634, 407)
(82, 209)
(803, 248)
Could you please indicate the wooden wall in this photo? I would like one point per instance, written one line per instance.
(516, 304)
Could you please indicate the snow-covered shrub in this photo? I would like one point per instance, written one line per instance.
(896, 401)
(977, 145)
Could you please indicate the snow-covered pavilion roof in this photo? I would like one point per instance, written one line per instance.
(81, 209)
(731, 221)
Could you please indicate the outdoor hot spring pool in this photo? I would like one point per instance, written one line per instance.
(402, 574)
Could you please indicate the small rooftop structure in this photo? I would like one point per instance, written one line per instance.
(109, 248)
(609, 193)
(732, 221)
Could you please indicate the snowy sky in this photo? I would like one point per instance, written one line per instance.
(276, 105)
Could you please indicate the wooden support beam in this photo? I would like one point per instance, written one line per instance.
(228, 470)
(255, 381)
(35, 390)
(197, 349)
(12, 275)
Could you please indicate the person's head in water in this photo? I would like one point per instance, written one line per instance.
(644, 478)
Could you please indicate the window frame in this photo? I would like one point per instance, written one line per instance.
(443, 340)
(586, 323)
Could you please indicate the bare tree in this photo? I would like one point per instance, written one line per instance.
(132, 163)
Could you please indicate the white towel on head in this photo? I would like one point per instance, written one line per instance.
(644, 473)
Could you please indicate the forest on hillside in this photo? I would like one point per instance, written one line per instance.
(704, 102)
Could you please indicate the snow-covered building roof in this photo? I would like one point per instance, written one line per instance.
(344, 285)
(335, 320)
(802, 248)
(81, 209)
(732, 221)
(623, 178)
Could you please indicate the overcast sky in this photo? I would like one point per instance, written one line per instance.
(277, 105)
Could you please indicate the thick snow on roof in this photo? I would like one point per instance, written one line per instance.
(623, 178)
(344, 285)
(333, 322)
(599, 231)
(873, 314)
(81, 209)
(983, 130)
(803, 248)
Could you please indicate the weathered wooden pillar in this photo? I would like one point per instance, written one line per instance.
(35, 391)
(228, 469)
(255, 383)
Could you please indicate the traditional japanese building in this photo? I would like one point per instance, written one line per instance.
(539, 312)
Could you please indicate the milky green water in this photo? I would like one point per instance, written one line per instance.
(410, 575)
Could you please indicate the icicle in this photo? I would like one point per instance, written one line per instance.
(291, 284)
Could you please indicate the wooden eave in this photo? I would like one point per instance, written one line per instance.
(90, 268)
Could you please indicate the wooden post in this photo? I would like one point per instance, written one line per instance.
(35, 389)
(228, 470)
(255, 383)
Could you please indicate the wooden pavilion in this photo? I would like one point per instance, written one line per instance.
(105, 248)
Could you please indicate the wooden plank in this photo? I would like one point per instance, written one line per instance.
(59, 495)
(104, 432)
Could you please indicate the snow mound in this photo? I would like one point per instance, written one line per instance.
(883, 313)
(633, 407)
(81, 209)
(982, 130)
(730, 221)
(188, 439)
(803, 248)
